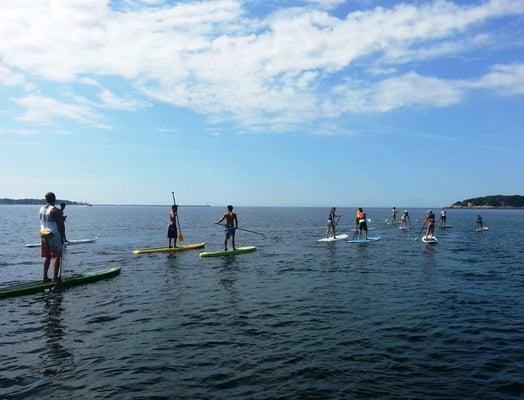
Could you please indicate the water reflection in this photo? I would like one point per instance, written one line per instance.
(55, 358)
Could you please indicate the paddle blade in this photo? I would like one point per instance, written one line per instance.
(180, 237)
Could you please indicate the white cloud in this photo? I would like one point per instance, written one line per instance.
(504, 79)
(33, 132)
(43, 110)
(272, 72)
(406, 90)
(112, 101)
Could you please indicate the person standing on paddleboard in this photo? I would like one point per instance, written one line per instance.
(172, 232)
(480, 224)
(443, 216)
(430, 221)
(362, 224)
(52, 232)
(404, 219)
(62, 208)
(332, 223)
(393, 215)
(231, 226)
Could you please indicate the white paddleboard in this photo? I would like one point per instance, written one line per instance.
(403, 228)
(369, 239)
(484, 228)
(429, 239)
(334, 239)
(68, 243)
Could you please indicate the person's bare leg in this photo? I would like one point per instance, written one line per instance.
(47, 262)
(233, 242)
(57, 269)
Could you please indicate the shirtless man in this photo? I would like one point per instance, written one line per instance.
(231, 226)
(52, 232)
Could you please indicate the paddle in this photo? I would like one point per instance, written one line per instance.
(387, 219)
(419, 232)
(180, 235)
(241, 229)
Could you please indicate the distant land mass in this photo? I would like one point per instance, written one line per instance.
(496, 201)
(40, 201)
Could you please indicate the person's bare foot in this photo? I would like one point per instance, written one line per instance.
(46, 279)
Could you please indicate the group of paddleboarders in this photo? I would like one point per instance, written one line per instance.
(230, 226)
(405, 222)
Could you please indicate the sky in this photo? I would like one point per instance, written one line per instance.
(263, 102)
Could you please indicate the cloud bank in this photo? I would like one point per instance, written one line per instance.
(265, 72)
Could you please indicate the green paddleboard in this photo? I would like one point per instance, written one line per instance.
(39, 286)
(238, 250)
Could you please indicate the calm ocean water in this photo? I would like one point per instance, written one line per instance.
(299, 319)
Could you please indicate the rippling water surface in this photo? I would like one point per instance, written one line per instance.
(298, 319)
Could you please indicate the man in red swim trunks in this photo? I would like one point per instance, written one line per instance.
(52, 231)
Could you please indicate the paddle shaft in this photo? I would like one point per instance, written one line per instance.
(246, 230)
(180, 235)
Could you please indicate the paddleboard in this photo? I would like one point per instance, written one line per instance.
(77, 279)
(446, 226)
(68, 243)
(403, 228)
(484, 228)
(369, 239)
(334, 239)
(429, 239)
(183, 247)
(238, 250)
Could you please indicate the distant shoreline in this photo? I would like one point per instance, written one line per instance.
(485, 208)
(39, 202)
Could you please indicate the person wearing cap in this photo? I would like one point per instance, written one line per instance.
(230, 227)
(404, 219)
(430, 221)
(52, 232)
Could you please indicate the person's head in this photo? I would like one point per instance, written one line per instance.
(333, 209)
(394, 208)
(174, 208)
(62, 205)
(230, 207)
(50, 198)
(360, 209)
(478, 216)
(405, 211)
(430, 212)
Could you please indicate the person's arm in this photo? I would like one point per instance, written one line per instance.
(223, 218)
(236, 221)
(57, 216)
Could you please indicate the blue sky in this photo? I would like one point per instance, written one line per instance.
(318, 102)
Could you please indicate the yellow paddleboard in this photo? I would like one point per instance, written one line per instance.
(183, 247)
